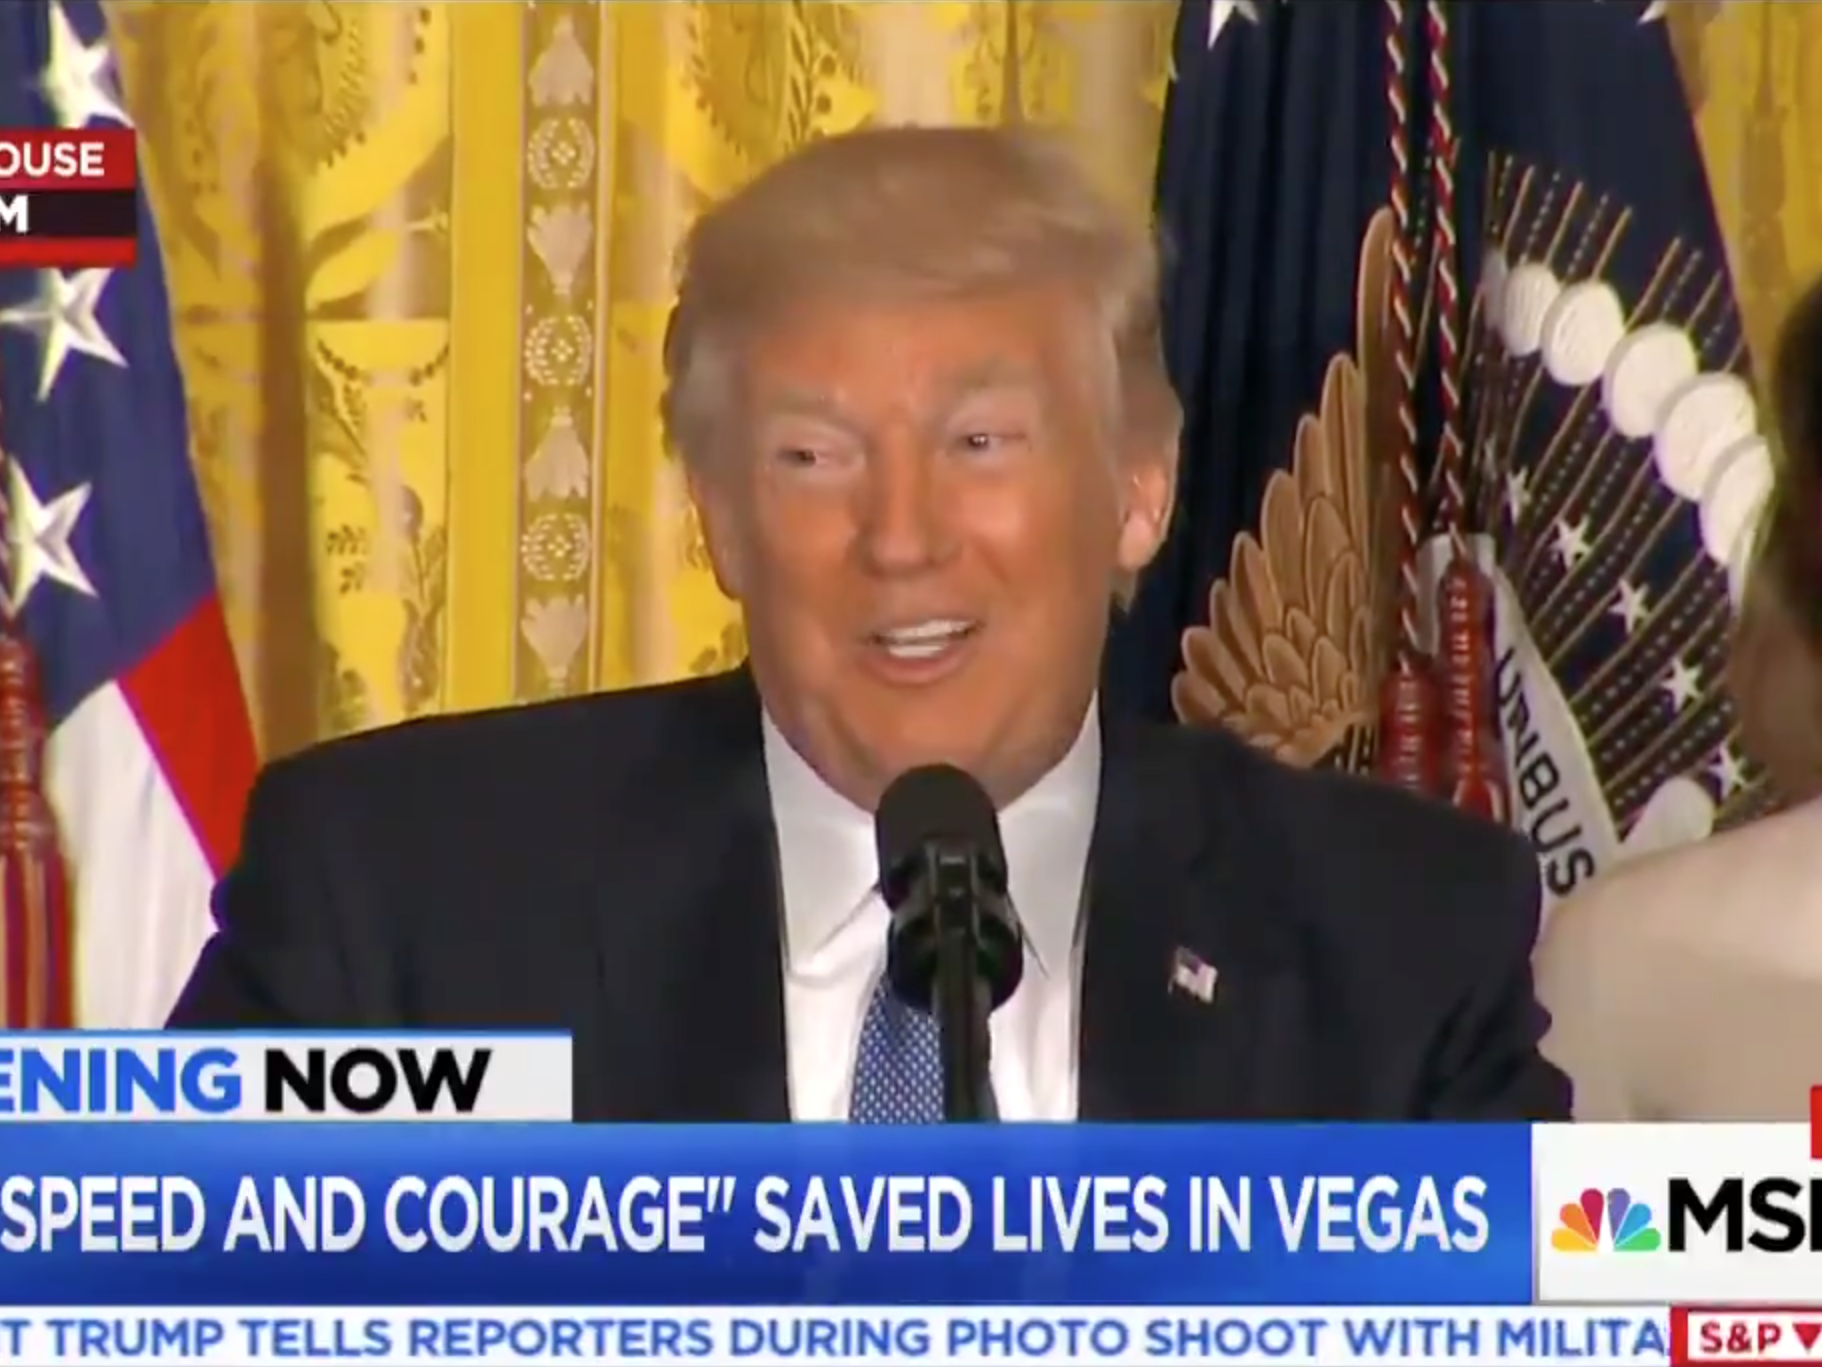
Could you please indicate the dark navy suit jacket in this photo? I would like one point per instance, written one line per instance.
(607, 866)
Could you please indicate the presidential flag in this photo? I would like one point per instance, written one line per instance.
(110, 594)
(1619, 457)
(1457, 261)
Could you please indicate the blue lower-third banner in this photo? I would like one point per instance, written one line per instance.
(428, 1214)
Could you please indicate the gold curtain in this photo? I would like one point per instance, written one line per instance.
(1753, 69)
(419, 259)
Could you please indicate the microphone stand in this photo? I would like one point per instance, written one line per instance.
(961, 998)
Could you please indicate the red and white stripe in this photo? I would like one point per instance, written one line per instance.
(148, 778)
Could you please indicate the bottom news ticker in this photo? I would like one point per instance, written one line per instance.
(973, 1336)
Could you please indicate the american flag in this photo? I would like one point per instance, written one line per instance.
(1191, 973)
(147, 753)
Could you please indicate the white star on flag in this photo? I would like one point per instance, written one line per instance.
(1571, 542)
(1653, 12)
(1518, 494)
(1727, 771)
(37, 545)
(1683, 685)
(1223, 10)
(64, 318)
(78, 78)
(1630, 605)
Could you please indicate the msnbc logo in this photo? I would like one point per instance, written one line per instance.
(1629, 1227)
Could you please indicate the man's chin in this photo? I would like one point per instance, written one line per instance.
(862, 749)
(989, 757)
(884, 762)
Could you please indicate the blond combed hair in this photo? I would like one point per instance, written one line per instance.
(905, 213)
(1775, 663)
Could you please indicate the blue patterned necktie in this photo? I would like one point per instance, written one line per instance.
(898, 1071)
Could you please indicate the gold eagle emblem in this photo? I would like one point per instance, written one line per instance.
(1292, 653)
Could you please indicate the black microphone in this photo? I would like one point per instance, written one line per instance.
(954, 949)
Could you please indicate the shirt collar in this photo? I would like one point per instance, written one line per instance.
(828, 865)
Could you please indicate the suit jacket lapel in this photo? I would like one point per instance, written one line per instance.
(1177, 878)
(691, 1015)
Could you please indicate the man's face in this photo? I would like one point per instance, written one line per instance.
(922, 510)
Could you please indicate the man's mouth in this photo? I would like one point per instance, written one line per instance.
(925, 640)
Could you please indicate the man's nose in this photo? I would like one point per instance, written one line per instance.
(905, 527)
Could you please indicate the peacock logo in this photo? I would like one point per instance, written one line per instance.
(1629, 1224)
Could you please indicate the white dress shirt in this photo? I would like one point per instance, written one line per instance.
(835, 928)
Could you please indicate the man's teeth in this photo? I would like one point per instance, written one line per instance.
(923, 641)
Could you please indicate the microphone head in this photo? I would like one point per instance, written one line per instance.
(935, 805)
(930, 817)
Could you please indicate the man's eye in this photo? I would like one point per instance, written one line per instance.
(986, 441)
(823, 459)
(801, 457)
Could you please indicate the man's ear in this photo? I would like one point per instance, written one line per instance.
(1148, 492)
(722, 534)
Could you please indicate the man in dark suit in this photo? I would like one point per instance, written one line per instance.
(915, 379)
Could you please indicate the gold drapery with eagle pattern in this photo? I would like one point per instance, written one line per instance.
(420, 263)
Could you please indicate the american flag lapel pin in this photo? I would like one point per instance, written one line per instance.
(1190, 973)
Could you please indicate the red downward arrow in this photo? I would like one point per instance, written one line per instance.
(1808, 1331)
